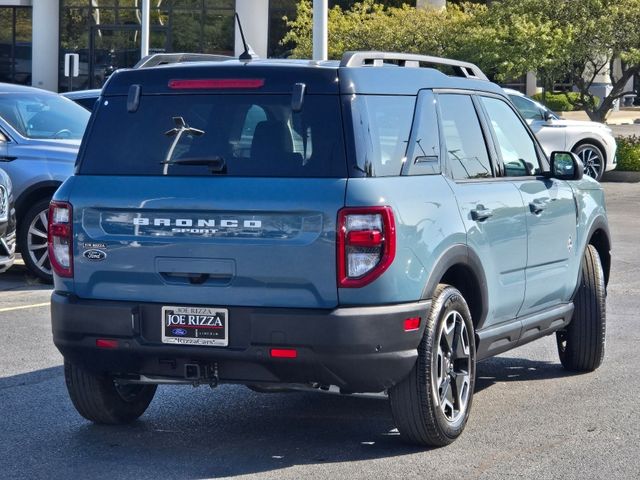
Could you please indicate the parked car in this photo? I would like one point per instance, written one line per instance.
(84, 98)
(320, 225)
(593, 142)
(7, 223)
(40, 134)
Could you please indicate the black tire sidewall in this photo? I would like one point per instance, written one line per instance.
(449, 299)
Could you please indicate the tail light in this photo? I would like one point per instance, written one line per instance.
(366, 244)
(60, 241)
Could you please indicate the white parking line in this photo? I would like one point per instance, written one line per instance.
(22, 307)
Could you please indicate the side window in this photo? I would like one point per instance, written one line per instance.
(528, 109)
(381, 125)
(516, 147)
(423, 156)
(466, 150)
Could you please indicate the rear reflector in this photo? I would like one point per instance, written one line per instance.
(283, 353)
(411, 324)
(216, 83)
(106, 343)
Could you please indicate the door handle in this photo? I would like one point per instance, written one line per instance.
(7, 158)
(537, 206)
(480, 213)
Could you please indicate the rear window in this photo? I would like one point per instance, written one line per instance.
(232, 134)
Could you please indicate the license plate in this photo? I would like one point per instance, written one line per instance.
(204, 326)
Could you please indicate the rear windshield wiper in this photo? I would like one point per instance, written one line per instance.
(215, 164)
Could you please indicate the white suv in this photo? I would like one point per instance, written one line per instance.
(593, 142)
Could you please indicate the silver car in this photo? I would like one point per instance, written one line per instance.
(40, 133)
(593, 142)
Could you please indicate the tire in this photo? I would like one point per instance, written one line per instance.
(581, 344)
(593, 159)
(31, 243)
(98, 399)
(420, 414)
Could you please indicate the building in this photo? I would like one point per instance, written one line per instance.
(35, 35)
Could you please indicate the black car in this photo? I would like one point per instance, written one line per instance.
(7, 223)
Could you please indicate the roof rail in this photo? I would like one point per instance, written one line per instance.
(376, 59)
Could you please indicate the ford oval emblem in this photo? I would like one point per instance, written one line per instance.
(181, 332)
(95, 254)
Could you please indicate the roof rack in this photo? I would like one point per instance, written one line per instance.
(377, 59)
(166, 58)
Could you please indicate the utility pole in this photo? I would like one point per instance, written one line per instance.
(320, 29)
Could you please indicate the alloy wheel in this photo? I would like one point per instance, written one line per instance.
(592, 159)
(451, 367)
(37, 241)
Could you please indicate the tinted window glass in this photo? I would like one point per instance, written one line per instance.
(423, 156)
(517, 149)
(467, 155)
(382, 125)
(235, 135)
(43, 116)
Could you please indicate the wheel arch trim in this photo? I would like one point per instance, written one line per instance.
(461, 255)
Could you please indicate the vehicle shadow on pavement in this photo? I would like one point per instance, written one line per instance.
(504, 369)
(198, 433)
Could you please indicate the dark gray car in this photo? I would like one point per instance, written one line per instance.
(40, 134)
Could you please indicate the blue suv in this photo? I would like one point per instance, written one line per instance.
(377, 224)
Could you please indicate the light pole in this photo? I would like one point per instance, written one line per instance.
(320, 29)
(144, 37)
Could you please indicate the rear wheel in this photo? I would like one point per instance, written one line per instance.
(432, 404)
(32, 240)
(581, 344)
(100, 399)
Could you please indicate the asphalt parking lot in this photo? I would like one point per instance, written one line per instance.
(530, 418)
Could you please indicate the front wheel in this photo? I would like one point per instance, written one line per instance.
(100, 399)
(581, 344)
(32, 240)
(432, 404)
(592, 158)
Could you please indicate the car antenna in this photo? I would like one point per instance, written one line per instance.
(248, 53)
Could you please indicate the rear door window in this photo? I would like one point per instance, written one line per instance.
(234, 135)
(466, 150)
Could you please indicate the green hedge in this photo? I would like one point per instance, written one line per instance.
(558, 102)
(629, 154)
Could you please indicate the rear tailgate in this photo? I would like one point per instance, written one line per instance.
(207, 240)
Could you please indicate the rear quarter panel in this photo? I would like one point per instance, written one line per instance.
(427, 223)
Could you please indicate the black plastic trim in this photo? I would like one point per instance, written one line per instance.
(359, 349)
(497, 339)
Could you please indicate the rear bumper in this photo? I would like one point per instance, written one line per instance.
(359, 349)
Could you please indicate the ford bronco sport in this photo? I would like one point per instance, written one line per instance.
(377, 224)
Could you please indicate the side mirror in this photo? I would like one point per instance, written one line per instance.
(547, 115)
(566, 166)
(3, 138)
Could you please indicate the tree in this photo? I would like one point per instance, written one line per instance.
(369, 25)
(560, 39)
